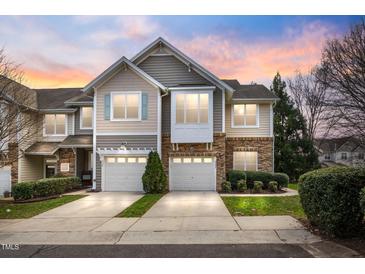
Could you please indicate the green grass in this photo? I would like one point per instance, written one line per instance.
(293, 186)
(140, 207)
(264, 206)
(19, 211)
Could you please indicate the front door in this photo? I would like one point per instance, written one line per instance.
(50, 170)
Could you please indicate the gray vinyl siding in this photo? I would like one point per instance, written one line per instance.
(79, 131)
(70, 124)
(133, 142)
(31, 168)
(264, 124)
(126, 81)
(217, 112)
(169, 71)
(166, 114)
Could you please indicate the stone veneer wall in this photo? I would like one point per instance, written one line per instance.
(13, 160)
(199, 149)
(263, 145)
(67, 155)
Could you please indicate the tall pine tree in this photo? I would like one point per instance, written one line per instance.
(294, 151)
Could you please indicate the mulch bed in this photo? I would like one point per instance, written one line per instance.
(37, 199)
(250, 191)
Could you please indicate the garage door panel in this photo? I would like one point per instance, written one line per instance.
(192, 176)
(123, 175)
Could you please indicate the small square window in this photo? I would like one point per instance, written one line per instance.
(142, 160)
(187, 160)
(208, 160)
(121, 160)
(176, 160)
(132, 160)
(110, 160)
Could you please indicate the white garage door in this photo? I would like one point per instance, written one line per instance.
(192, 173)
(124, 173)
(5, 179)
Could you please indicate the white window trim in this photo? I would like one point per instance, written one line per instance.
(244, 126)
(245, 164)
(44, 125)
(112, 94)
(185, 111)
(81, 115)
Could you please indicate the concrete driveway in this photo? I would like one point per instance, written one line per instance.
(81, 215)
(187, 211)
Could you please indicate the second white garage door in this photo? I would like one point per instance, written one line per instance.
(124, 173)
(192, 173)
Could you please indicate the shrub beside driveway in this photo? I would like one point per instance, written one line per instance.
(28, 210)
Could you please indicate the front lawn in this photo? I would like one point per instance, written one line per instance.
(19, 211)
(140, 207)
(261, 206)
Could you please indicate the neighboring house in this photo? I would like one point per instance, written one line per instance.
(160, 100)
(344, 151)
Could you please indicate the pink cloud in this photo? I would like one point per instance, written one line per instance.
(259, 61)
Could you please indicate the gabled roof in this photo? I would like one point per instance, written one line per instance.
(80, 100)
(55, 98)
(184, 58)
(74, 141)
(117, 65)
(42, 148)
(337, 144)
(250, 92)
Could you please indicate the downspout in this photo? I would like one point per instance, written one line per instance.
(159, 123)
(94, 139)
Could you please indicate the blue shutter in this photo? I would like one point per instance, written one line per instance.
(107, 107)
(144, 106)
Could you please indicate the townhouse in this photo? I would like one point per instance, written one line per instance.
(159, 100)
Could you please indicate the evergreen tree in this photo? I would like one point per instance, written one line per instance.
(294, 151)
(154, 178)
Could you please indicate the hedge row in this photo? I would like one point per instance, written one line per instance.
(45, 187)
(250, 177)
(331, 199)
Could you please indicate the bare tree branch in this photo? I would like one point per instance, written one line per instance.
(309, 96)
(18, 110)
(342, 70)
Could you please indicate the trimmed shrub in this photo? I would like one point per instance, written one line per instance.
(281, 178)
(226, 187)
(250, 176)
(362, 199)
(331, 199)
(273, 186)
(23, 191)
(45, 187)
(234, 176)
(257, 186)
(154, 178)
(241, 186)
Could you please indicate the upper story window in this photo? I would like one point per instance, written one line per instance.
(86, 117)
(343, 156)
(192, 108)
(126, 106)
(245, 115)
(55, 124)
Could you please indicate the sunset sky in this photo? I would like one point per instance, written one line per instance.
(68, 51)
